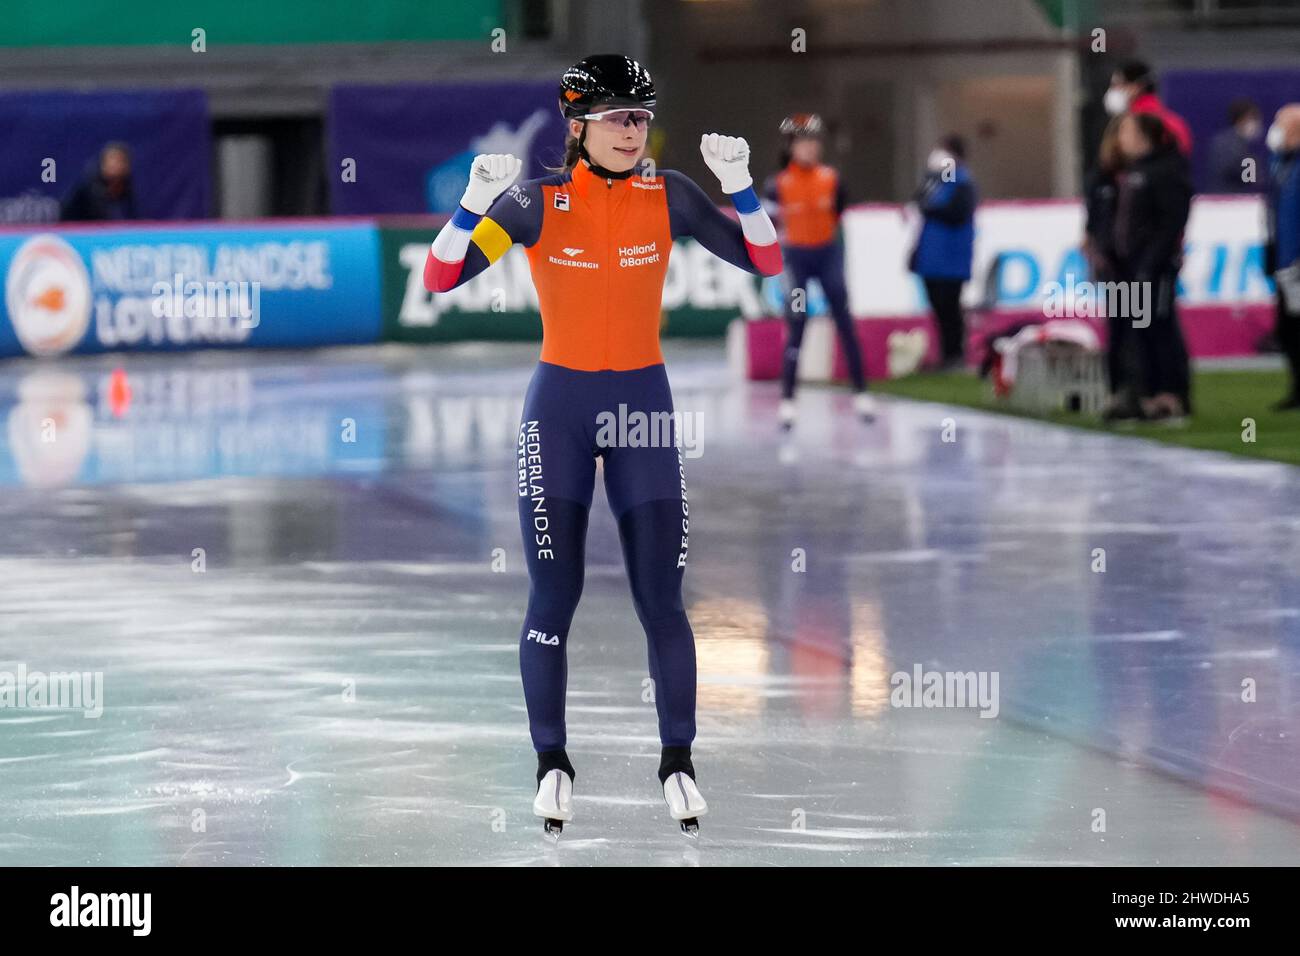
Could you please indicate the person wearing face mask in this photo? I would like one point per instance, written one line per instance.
(1282, 254)
(1133, 90)
(1230, 149)
(105, 192)
(946, 200)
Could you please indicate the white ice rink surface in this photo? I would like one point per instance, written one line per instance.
(339, 684)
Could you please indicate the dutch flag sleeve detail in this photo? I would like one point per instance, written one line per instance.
(447, 254)
(760, 234)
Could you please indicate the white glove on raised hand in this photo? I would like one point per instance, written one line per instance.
(728, 157)
(489, 176)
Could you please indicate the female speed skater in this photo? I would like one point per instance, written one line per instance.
(808, 198)
(598, 239)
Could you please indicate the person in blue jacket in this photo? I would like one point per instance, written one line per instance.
(942, 257)
(1283, 251)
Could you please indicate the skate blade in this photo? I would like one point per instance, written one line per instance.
(691, 827)
(552, 829)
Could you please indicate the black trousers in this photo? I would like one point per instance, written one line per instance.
(1159, 347)
(1121, 352)
(1121, 358)
(1288, 337)
(945, 300)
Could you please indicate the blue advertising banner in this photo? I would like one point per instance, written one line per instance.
(52, 141)
(408, 149)
(160, 288)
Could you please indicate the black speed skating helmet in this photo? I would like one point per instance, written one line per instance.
(606, 79)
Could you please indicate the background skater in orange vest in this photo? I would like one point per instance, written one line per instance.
(807, 198)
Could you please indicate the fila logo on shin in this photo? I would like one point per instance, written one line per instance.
(541, 638)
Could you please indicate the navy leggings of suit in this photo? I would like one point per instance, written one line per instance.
(825, 264)
(570, 419)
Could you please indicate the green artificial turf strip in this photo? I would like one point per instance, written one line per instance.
(1222, 399)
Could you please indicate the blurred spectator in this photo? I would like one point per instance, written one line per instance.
(104, 192)
(1133, 90)
(1101, 194)
(1155, 196)
(942, 257)
(1283, 250)
(1231, 147)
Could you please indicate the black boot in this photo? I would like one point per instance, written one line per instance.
(674, 760)
(548, 760)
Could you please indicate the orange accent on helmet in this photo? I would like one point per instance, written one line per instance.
(802, 124)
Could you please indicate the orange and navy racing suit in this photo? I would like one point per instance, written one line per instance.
(598, 248)
(809, 201)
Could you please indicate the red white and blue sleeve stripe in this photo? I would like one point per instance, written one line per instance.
(750, 245)
(447, 254)
(760, 234)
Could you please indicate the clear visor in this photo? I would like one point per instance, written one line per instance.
(637, 117)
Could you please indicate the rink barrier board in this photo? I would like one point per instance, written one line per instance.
(701, 293)
(272, 284)
(85, 288)
(894, 346)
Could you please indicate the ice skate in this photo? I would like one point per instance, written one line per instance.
(685, 802)
(554, 800)
(864, 406)
(785, 413)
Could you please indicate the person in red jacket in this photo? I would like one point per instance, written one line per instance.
(1133, 90)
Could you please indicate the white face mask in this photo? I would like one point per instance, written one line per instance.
(1275, 139)
(938, 161)
(1115, 101)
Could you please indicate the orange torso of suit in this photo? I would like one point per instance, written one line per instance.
(806, 195)
(599, 265)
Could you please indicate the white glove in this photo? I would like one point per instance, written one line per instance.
(728, 157)
(490, 175)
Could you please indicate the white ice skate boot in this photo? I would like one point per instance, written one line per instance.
(864, 404)
(785, 413)
(685, 802)
(554, 802)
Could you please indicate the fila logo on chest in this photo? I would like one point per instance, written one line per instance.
(562, 202)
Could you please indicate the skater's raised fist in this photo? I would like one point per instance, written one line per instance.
(489, 176)
(728, 157)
